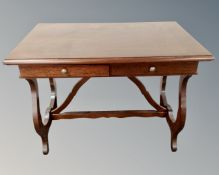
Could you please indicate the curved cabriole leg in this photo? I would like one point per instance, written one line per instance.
(176, 125)
(42, 128)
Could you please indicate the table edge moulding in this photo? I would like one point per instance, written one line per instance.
(86, 50)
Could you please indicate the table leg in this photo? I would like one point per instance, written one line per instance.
(175, 124)
(163, 110)
(42, 126)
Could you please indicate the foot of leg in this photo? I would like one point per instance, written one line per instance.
(45, 144)
(174, 142)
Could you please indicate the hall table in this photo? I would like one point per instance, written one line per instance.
(86, 50)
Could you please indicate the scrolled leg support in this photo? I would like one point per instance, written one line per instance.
(42, 128)
(176, 125)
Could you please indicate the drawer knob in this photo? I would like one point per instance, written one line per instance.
(64, 71)
(152, 69)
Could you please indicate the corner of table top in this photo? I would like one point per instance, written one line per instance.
(7, 62)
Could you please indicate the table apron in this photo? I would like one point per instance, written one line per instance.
(111, 70)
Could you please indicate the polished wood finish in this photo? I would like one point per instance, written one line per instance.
(143, 69)
(175, 124)
(108, 50)
(54, 112)
(55, 71)
(108, 114)
(42, 128)
(107, 43)
(178, 68)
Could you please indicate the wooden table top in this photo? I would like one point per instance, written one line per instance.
(106, 43)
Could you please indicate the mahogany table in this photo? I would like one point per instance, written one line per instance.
(86, 50)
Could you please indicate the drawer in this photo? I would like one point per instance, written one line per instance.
(149, 69)
(63, 71)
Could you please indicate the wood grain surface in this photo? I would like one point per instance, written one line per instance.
(55, 71)
(106, 43)
(143, 69)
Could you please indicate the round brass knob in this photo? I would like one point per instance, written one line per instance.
(64, 71)
(152, 69)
